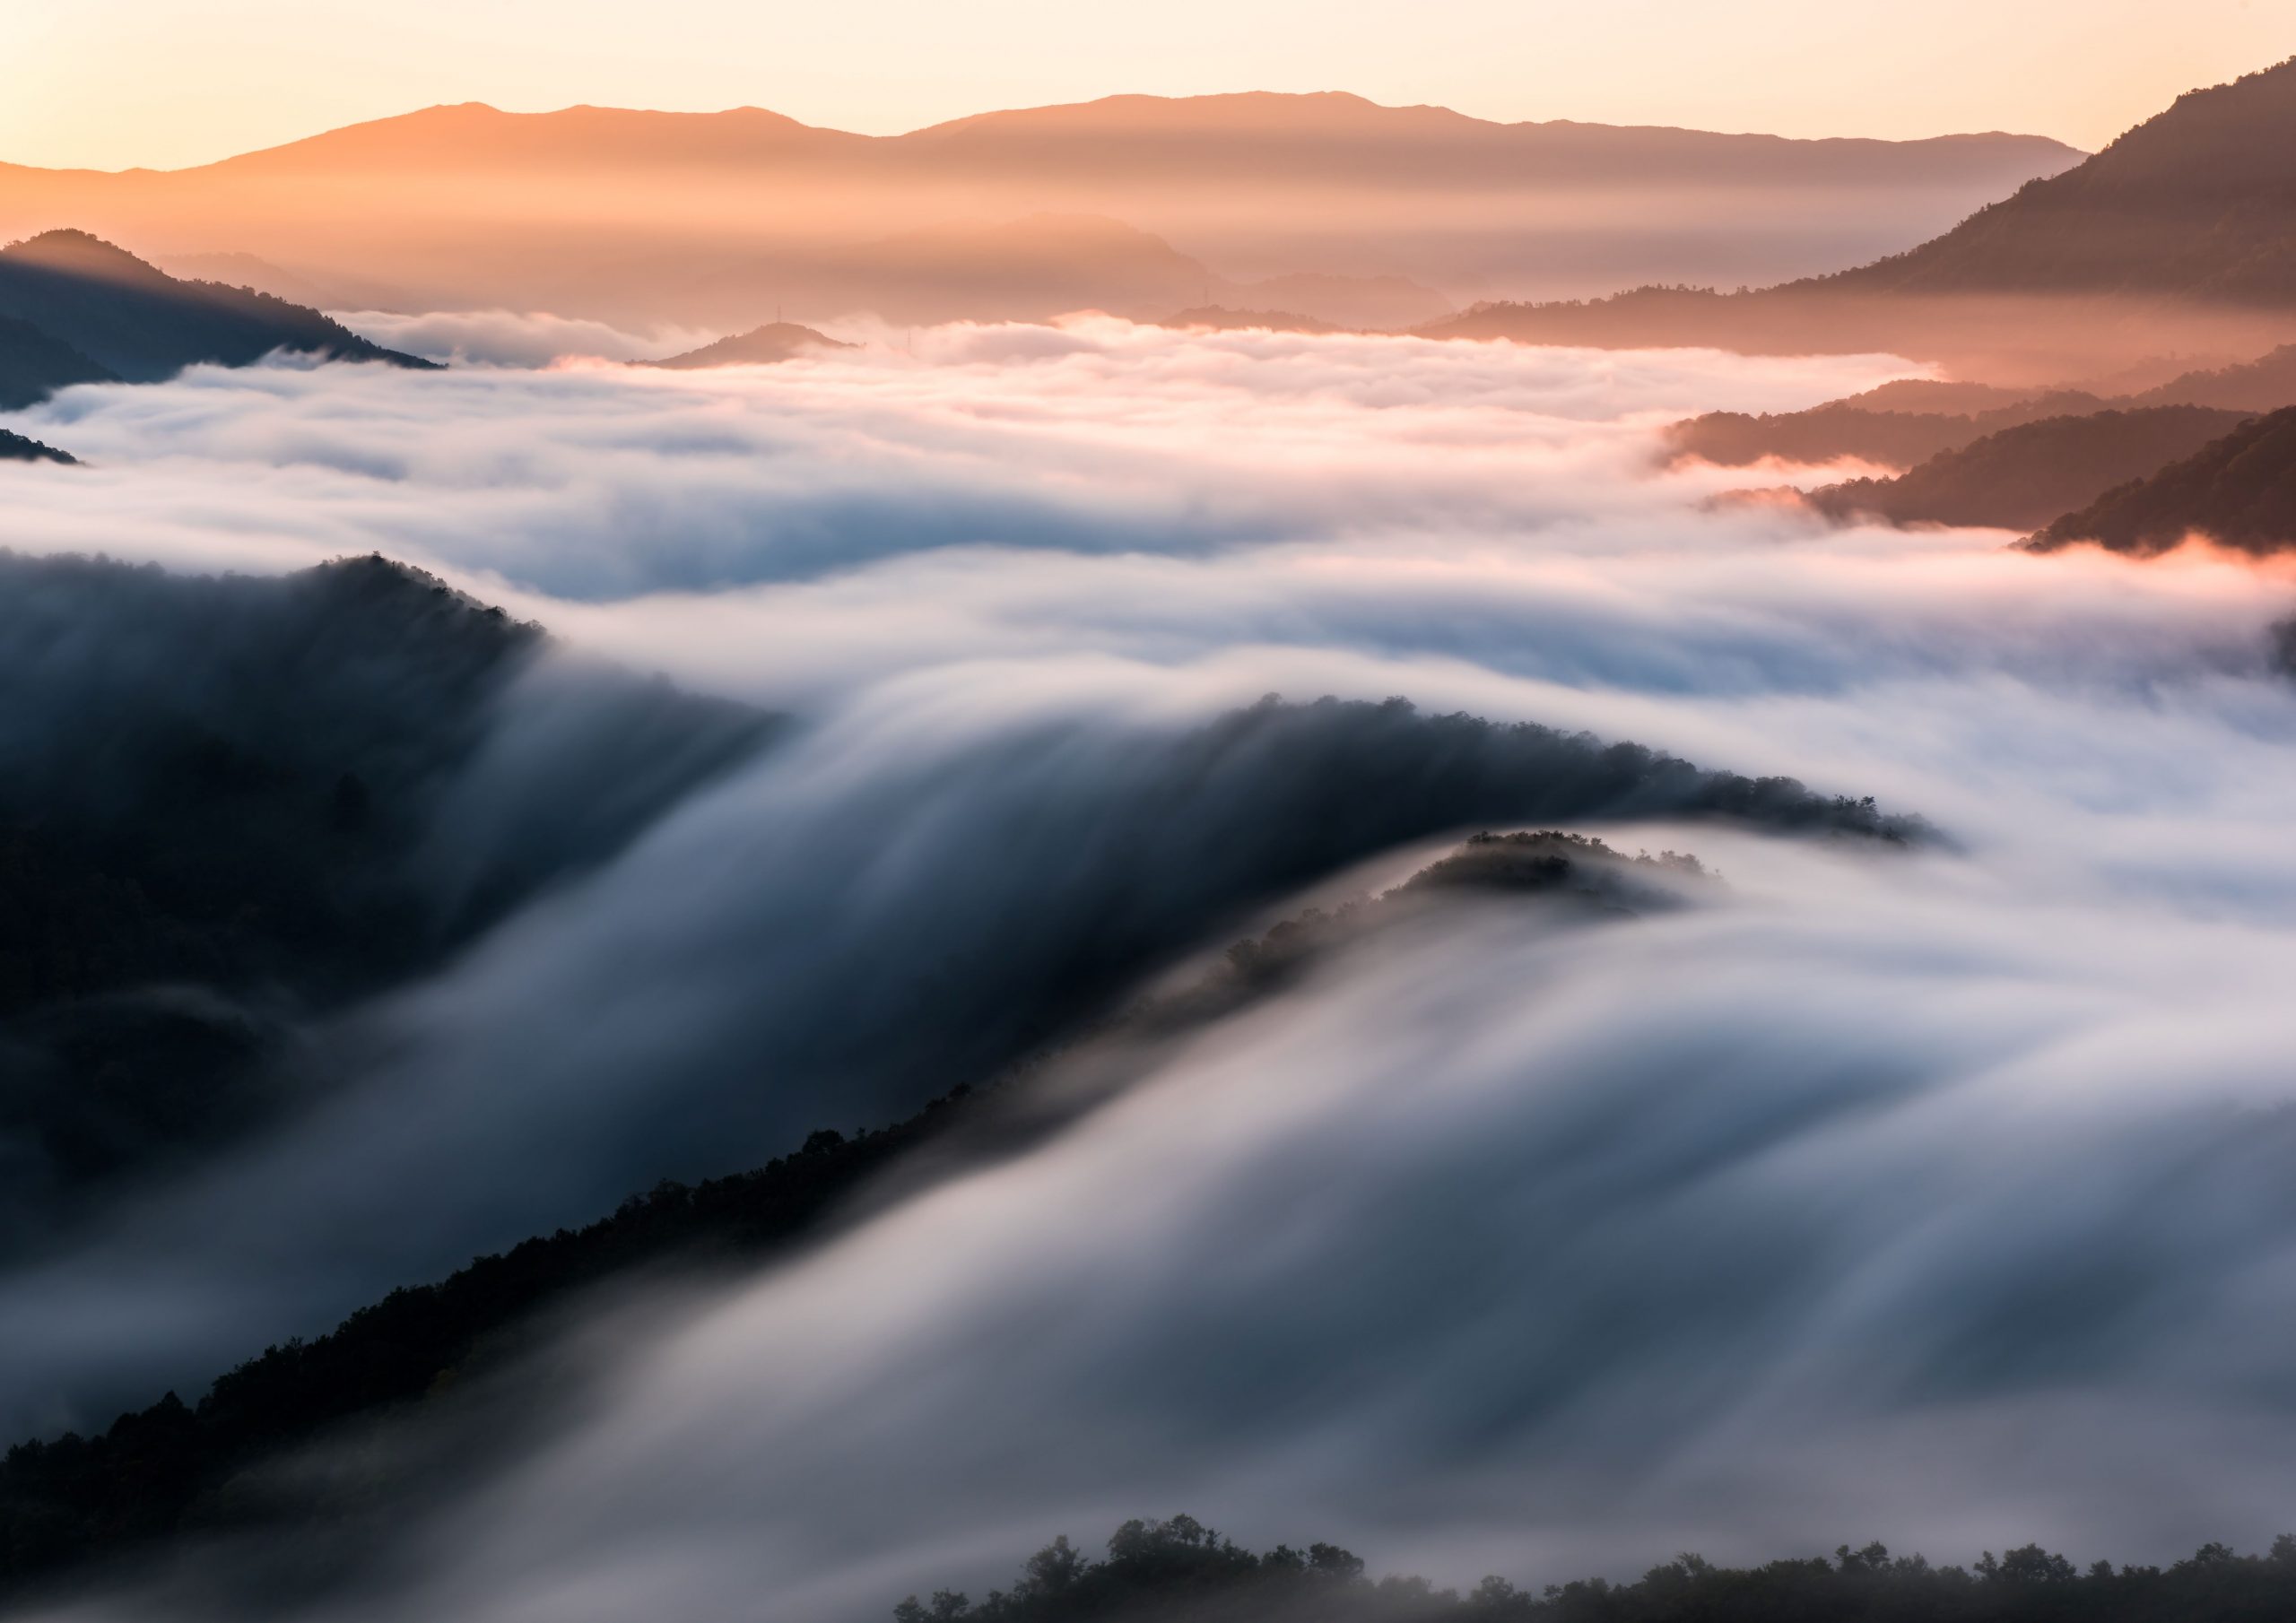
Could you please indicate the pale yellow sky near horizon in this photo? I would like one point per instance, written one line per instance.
(163, 83)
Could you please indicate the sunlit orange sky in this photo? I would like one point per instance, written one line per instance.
(112, 84)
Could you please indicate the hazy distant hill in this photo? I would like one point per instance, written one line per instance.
(2263, 385)
(2023, 476)
(1023, 270)
(338, 291)
(141, 324)
(2181, 233)
(2239, 490)
(777, 341)
(610, 213)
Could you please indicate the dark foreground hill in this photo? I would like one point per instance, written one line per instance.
(17, 447)
(220, 809)
(34, 365)
(1180, 1571)
(133, 322)
(2023, 476)
(2239, 491)
(177, 1468)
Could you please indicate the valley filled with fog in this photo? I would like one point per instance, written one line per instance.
(1920, 1170)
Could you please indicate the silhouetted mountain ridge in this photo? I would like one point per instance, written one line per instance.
(142, 325)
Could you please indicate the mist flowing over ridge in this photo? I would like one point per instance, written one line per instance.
(740, 864)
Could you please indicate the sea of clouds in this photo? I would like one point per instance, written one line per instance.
(1938, 1195)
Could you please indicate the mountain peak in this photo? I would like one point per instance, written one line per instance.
(78, 253)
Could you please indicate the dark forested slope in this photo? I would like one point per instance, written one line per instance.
(2239, 490)
(1180, 1571)
(34, 365)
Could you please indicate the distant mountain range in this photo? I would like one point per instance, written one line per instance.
(2180, 233)
(1338, 208)
(73, 308)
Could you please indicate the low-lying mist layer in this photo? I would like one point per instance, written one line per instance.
(1903, 1187)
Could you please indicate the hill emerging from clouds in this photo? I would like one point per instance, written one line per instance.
(775, 342)
(75, 308)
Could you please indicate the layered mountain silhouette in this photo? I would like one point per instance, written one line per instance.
(777, 341)
(1024, 269)
(1864, 427)
(2263, 385)
(2024, 475)
(75, 308)
(2182, 231)
(1901, 423)
(1355, 213)
(2239, 491)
